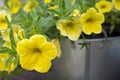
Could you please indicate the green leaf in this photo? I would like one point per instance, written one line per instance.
(16, 63)
(9, 25)
(10, 59)
(13, 45)
(84, 44)
(1, 42)
(5, 2)
(5, 50)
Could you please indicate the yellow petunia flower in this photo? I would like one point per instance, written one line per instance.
(70, 28)
(91, 21)
(3, 59)
(3, 22)
(103, 6)
(117, 4)
(47, 1)
(36, 53)
(30, 6)
(14, 6)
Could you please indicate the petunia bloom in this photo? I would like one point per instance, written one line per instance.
(103, 6)
(14, 6)
(91, 21)
(70, 28)
(3, 22)
(30, 6)
(36, 53)
(117, 4)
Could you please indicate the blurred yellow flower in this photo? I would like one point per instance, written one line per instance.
(21, 34)
(53, 7)
(91, 21)
(14, 6)
(47, 1)
(30, 6)
(76, 12)
(70, 28)
(117, 4)
(3, 22)
(6, 35)
(36, 53)
(3, 67)
(103, 6)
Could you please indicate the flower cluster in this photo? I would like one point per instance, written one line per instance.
(30, 30)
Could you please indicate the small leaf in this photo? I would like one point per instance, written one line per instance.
(13, 45)
(5, 50)
(9, 25)
(10, 59)
(5, 2)
(84, 44)
(16, 63)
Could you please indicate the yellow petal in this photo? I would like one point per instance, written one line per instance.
(57, 44)
(87, 29)
(95, 28)
(60, 25)
(75, 12)
(49, 50)
(47, 1)
(3, 22)
(7, 44)
(29, 61)
(14, 6)
(74, 33)
(99, 17)
(24, 47)
(21, 34)
(43, 64)
(2, 65)
(30, 6)
(117, 4)
(38, 40)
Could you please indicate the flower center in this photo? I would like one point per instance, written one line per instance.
(2, 20)
(103, 6)
(36, 50)
(69, 24)
(31, 6)
(89, 20)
